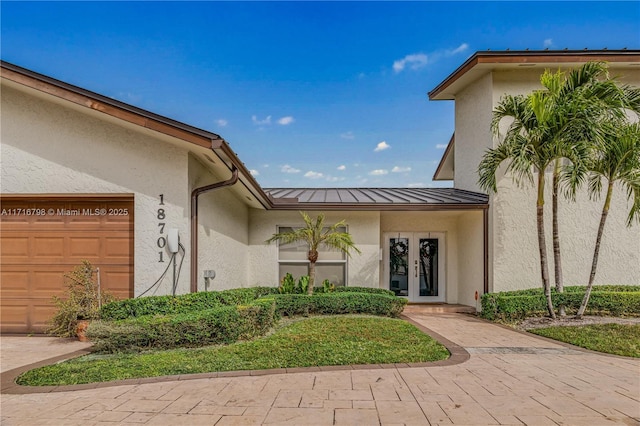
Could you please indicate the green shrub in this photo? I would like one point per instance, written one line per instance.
(372, 290)
(287, 285)
(343, 289)
(221, 324)
(303, 284)
(328, 286)
(604, 300)
(81, 301)
(338, 303)
(164, 305)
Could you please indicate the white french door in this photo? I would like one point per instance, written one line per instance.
(415, 265)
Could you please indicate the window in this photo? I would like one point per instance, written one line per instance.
(331, 264)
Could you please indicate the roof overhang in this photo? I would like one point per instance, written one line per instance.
(481, 63)
(446, 167)
(211, 149)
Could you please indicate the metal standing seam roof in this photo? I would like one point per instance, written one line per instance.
(376, 197)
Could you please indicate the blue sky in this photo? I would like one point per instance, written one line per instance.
(309, 94)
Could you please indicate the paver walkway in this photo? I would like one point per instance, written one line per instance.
(511, 378)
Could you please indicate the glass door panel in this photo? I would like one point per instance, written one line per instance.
(399, 266)
(428, 260)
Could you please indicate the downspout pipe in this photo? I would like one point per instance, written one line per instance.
(194, 221)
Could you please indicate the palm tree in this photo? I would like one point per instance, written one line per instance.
(315, 234)
(590, 91)
(616, 161)
(549, 125)
(526, 146)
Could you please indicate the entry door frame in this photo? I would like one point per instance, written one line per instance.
(414, 283)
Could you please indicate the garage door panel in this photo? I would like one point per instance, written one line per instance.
(37, 250)
(41, 312)
(84, 246)
(14, 247)
(14, 314)
(13, 282)
(117, 249)
(49, 247)
(115, 280)
(47, 282)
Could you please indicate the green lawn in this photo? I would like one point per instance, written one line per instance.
(617, 339)
(317, 341)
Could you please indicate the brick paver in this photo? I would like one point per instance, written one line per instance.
(511, 379)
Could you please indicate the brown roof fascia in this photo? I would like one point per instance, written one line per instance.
(131, 114)
(107, 105)
(446, 153)
(535, 56)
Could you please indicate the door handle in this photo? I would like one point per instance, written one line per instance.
(416, 271)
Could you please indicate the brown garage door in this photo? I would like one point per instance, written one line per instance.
(43, 237)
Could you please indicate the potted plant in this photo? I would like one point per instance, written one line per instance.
(80, 304)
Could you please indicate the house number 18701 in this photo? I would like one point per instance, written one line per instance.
(162, 241)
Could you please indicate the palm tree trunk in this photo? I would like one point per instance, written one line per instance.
(542, 244)
(312, 277)
(596, 251)
(557, 260)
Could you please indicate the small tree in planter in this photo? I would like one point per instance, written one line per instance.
(315, 234)
(81, 302)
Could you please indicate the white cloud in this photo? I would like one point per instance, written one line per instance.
(257, 122)
(463, 47)
(313, 175)
(266, 166)
(221, 122)
(382, 146)
(342, 167)
(288, 169)
(347, 135)
(334, 179)
(379, 172)
(397, 169)
(548, 42)
(441, 146)
(254, 172)
(419, 60)
(414, 61)
(416, 185)
(286, 120)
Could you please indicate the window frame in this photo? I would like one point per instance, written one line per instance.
(344, 261)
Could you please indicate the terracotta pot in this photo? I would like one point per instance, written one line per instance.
(81, 330)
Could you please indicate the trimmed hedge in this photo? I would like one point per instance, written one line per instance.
(573, 289)
(164, 305)
(372, 290)
(338, 303)
(604, 300)
(221, 324)
(342, 289)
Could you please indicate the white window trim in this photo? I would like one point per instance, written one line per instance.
(279, 261)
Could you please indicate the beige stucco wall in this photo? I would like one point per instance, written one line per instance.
(513, 245)
(223, 233)
(470, 257)
(48, 147)
(472, 131)
(364, 227)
